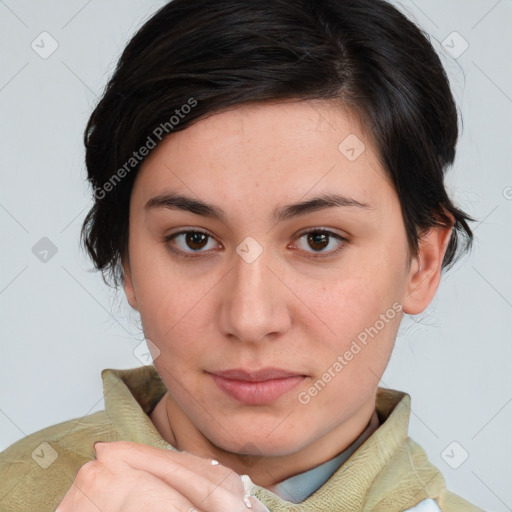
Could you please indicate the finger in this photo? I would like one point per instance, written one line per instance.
(149, 492)
(85, 495)
(98, 489)
(254, 503)
(137, 453)
(214, 488)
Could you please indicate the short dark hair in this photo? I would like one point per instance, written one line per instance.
(220, 54)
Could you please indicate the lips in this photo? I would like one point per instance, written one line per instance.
(256, 387)
(256, 376)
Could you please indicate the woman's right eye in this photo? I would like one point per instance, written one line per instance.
(180, 243)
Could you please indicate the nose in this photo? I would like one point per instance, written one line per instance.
(254, 302)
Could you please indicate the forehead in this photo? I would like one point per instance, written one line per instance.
(255, 152)
(278, 127)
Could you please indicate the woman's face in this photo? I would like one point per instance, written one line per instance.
(271, 333)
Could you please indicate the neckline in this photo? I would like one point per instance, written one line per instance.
(297, 488)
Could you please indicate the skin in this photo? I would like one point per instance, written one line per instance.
(215, 311)
(130, 477)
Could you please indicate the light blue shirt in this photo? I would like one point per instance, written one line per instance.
(298, 487)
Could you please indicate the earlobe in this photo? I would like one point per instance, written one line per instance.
(128, 285)
(425, 270)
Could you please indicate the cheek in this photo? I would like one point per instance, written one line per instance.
(174, 312)
(362, 316)
(352, 303)
(158, 290)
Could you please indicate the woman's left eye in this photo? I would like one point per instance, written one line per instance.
(194, 241)
(319, 239)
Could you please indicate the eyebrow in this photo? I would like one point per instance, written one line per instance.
(172, 201)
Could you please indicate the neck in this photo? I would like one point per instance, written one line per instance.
(265, 471)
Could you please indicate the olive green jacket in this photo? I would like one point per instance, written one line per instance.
(389, 472)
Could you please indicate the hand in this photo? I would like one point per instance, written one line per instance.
(132, 477)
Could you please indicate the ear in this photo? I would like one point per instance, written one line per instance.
(128, 283)
(425, 270)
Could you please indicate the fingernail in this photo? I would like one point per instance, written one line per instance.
(246, 480)
(247, 501)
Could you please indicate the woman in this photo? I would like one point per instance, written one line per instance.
(268, 184)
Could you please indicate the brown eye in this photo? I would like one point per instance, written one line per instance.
(186, 243)
(317, 240)
(195, 240)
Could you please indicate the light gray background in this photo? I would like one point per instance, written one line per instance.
(61, 325)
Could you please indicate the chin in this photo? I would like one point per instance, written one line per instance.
(261, 445)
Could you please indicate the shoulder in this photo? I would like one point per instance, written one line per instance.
(447, 502)
(451, 503)
(37, 471)
(441, 499)
(408, 474)
(428, 505)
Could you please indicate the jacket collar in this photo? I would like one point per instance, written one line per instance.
(130, 395)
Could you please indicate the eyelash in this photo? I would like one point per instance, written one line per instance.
(317, 255)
